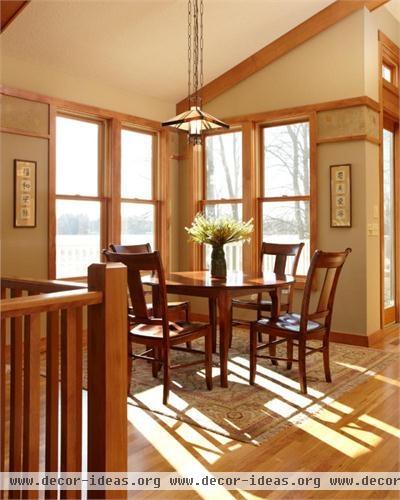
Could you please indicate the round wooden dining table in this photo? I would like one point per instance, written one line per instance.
(220, 293)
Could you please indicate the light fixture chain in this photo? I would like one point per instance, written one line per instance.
(189, 50)
(201, 51)
(196, 51)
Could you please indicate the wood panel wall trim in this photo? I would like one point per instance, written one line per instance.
(374, 4)
(347, 138)
(9, 10)
(15, 131)
(306, 109)
(319, 22)
(76, 107)
(250, 194)
(164, 206)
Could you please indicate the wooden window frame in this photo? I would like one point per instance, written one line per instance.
(155, 188)
(311, 198)
(389, 117)
(101, 184)
(203, 202)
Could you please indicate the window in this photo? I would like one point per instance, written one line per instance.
(286, 193)
(78, 195)
(389, 251)
(137, 188)
(387, 73)
(223, 187)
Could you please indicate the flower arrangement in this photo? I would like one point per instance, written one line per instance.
(217, 233)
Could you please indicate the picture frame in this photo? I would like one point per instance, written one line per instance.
(340, 195)
(25, 193)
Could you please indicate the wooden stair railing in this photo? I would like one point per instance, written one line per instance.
(23, 305)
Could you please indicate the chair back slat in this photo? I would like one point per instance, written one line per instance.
(281, 252)
(136, 264)
(331, 264)
(141, 248)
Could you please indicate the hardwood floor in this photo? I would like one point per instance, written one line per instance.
(359, 432)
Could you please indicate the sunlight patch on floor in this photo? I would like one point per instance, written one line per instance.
(173, 452)
(336, 405)
(333, 438)
(203, 446)
(379, 424)
(367, 437)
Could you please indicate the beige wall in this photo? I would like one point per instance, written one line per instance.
(327, 67)
(30, 75)
(23, 250)
(341, 62)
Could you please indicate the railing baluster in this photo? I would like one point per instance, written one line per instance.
(71, 398)
(31, 427)
(3, 334)
(52, 393)
(16, 390)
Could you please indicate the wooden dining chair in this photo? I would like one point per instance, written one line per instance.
(279, 252)
(176, 306)
(159, 335)
(295, 329)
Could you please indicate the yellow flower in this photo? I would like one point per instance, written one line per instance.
(219, 231)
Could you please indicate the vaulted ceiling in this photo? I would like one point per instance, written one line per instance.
(141, 45)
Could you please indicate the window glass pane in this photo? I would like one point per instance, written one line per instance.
(288, 222)
(386, 73)
(287, 160)
(224, 166)
(136, 165)
(77, 157)
(78, 237)
(137, 224)
(388, 217)
(233, 251)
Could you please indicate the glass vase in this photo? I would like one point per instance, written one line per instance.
(218, 262)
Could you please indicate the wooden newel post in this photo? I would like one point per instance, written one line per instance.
(107, 373)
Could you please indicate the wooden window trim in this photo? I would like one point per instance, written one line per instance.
(101, 187)
(155, 188)
(203, 202)
(311, 198)
(389, 118)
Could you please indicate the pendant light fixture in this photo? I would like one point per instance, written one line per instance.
(195, 121)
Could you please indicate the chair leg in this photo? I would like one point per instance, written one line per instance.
(208, 359)
(302, 366)
(130, 363)
(272, 349)
(259, 316)
(289, 354)
(325, 353)
(253, 353)
(187, 312)
(231, 335)
(155, 365)
(166, 376)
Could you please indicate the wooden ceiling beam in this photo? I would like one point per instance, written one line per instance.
(9, 10)
(374, 4)
(319, 22)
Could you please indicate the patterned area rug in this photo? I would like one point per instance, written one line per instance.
(254, 413)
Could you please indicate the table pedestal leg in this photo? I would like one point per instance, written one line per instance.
(225, 332)
(275, 310)
(212, 311)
